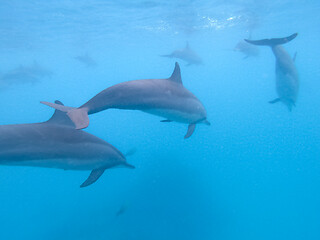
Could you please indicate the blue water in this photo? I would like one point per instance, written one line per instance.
(253, 174)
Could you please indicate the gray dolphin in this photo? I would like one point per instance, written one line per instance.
(86, 60)
(57, 144)
(287, 79)
(25, 74)
(163, 97)
(186, 54)
(247, 49)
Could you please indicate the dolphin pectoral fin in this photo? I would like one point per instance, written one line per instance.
(191, 128)
(206, 122)
(294, 56)
(275, 100)
(93, 177)
(166, 120)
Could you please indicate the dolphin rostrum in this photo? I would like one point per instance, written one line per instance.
(287, 79)
(163, 97)
(186, 54)
(57, 144)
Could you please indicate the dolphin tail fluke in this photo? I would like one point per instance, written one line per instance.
(93, 177)
(273, 41)
(191, 129)
(79, 116)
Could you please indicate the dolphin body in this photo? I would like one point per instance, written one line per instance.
(162, 97)
(287, 79)
(186, 54)
(57, 144)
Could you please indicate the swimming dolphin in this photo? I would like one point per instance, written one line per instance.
(186, 54)
(247, 49)
(25, 74)
(162, 97)
(57, 144)
(287, 79)
(86, 60)
(121, 210)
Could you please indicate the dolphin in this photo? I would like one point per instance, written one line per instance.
(57, 144)
(287, 79)
(167, 98)
(186, 54)
(25, 74)
(121, 210)
(86, 60)
(247, 49)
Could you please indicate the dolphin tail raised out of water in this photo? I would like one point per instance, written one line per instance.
(273, 41)
(79, 116)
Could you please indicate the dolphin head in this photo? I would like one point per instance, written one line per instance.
(202, 115)
(204, 121)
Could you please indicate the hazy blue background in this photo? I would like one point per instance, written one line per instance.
(253, 174)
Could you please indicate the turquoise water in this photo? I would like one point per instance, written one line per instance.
(253, 174)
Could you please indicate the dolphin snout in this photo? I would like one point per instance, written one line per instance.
(205, 121)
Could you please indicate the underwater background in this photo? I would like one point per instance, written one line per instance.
(253, 174)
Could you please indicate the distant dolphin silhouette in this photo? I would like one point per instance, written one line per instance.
(24, 74)
(163, 97)
(247, 49)
(121, 210)
(186, 54)
(287, 79)
(57, 144)
(87, 60)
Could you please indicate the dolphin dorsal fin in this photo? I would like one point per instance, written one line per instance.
(60, 117)
(176, 75)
